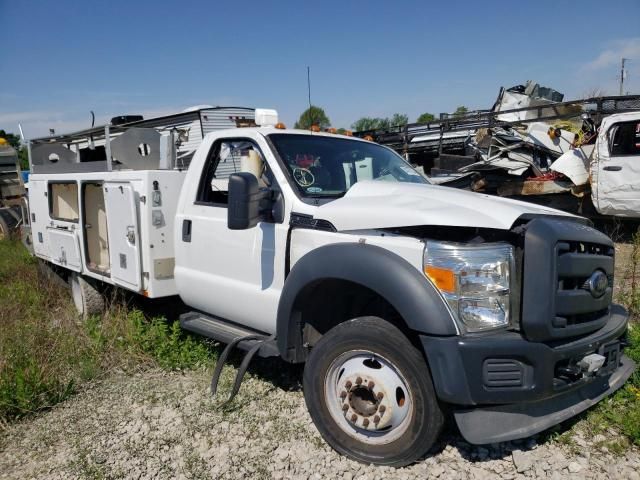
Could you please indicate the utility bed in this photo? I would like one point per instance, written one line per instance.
(103, 201)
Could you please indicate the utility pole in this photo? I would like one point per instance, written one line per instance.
(622, 72)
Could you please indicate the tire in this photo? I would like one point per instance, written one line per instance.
(4, 229)
(87, 300)
(348, 369)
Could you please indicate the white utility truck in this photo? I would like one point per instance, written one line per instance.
(406, 300)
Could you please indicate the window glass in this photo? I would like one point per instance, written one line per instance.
(324, 166)
(625, 139)
(63, 201)
(225, 158)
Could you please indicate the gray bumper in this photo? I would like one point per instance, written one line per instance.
(501, 423)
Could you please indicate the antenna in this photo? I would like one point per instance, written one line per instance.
(309, 84)
(309, 92)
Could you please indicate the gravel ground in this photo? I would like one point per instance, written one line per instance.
(156, 424)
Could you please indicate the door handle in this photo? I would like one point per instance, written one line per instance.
(186, 230)
(131, 235)
(613, 168)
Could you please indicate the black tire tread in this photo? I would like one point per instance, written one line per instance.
(93, 300)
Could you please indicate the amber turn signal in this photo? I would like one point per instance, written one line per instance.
(444, 279)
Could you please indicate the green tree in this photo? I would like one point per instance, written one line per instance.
(460, 111)
(398, 119)
(21, 150)
(426, 117)
(13, 139)
(313, 116)
(377, 123)
(366, 123)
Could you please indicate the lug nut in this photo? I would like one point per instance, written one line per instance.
(345, 407)
(365, 422)
(358, 381)
(376, 419)
(382, 408)
(371, 385)
(380, 395)
(348, 384)
(343, 395)
(354, 417)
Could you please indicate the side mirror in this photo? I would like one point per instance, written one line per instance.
(244, 201)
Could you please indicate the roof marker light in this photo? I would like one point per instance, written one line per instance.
(266, 117)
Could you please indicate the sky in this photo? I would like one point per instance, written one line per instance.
(61, 59)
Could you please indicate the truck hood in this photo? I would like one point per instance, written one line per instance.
(378, 204)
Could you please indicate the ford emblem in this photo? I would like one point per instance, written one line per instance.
(597, 284)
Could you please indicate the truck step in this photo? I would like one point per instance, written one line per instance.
(227, 332)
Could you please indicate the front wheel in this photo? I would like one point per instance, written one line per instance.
(370, 393)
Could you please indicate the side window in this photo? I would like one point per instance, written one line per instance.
(625, 139)
(63, 201)
(225, 158)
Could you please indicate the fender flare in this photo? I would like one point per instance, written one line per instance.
(390, 276)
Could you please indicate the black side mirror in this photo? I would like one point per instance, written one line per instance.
(244, 201)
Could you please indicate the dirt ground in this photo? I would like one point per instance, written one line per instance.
(155, 424)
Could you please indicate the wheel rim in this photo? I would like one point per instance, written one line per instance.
(368, 397)
(76, 293)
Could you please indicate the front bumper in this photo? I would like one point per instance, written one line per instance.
(503, 386)
(501, 423)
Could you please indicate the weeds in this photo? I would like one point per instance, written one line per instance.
(46, 353)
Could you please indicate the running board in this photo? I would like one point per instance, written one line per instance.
(227, 332)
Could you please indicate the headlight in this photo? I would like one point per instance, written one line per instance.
(474, 280)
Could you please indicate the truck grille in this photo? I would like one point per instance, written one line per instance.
(567, 279)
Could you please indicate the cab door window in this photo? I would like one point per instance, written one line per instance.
(625, 139)
(226, 158)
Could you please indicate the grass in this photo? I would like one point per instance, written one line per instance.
(46, 354)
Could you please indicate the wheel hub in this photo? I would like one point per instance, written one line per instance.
(368, 397)
(365, 403)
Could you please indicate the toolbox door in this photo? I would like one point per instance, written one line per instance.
(124, 234)
(64, 249)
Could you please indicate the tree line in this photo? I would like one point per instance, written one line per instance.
(315, 115)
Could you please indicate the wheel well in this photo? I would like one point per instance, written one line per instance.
(329, 302)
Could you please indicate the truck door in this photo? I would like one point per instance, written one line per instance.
(124, 236)
(232, 274)
(618, 181)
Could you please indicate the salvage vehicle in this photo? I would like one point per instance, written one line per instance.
(12, 190)
(532, 146)
(407, 301)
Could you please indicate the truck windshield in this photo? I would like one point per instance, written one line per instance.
(324, 166)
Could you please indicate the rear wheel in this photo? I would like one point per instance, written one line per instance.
(86, 298)
(370, 393)
(4, 229)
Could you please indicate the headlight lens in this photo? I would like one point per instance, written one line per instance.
(474, 280)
